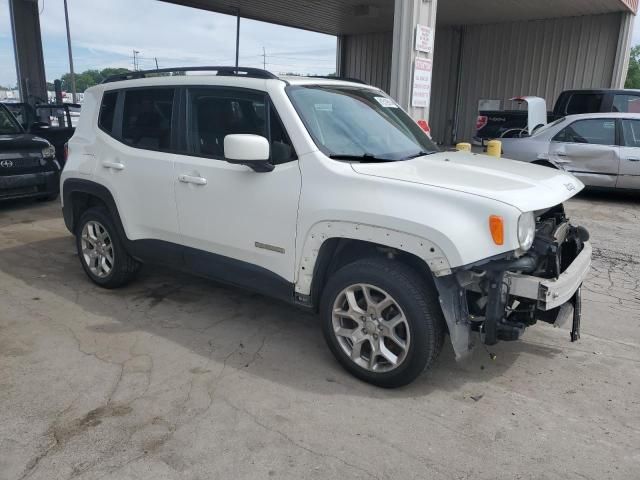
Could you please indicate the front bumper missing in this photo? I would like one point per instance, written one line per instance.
(554, 292)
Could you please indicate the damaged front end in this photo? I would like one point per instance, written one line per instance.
(498, 299)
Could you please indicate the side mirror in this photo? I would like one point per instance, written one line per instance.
(249, 150)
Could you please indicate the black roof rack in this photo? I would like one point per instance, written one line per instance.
(220, 71)
(333, 77)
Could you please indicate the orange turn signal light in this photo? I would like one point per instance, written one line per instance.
(496, 226)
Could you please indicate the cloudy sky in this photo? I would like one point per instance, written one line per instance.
(105, 33)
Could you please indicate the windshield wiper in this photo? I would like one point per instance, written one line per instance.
(365, 157)
(419, 154)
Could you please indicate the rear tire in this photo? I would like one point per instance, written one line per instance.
(101, 250)
(382, 321)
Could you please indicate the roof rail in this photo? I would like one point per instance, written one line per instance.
(330, 77)
(220, 71)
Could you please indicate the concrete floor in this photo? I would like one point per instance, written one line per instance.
(174, 377)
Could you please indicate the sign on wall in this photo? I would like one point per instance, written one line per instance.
(424, 39)
(421, 95)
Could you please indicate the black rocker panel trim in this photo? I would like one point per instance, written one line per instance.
(206, 264)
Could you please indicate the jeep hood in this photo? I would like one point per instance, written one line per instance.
(525, 186)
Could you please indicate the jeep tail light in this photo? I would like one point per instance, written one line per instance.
(481, 122)
(66, 152)
(496, 226)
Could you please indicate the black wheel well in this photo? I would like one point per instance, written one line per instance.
(82, 201)
(335, 253)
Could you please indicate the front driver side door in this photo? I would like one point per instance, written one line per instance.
(587, 148)
(239, 225)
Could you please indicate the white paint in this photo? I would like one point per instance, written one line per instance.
(536, 111)
(246, 147)
(435, 207)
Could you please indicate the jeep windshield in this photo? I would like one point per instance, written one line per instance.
(358, 124)
(8, 124)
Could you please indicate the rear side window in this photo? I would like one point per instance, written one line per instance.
(601, 131)
(626, 103)
(631, 133)
(146, 118)
(107, 111)
(584, 103)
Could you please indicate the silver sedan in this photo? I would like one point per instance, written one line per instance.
(601, 149)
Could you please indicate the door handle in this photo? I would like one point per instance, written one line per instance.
(192, 179)
(633, 159)
(113, 165)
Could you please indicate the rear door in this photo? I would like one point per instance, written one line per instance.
(629, 175)
(588, 149)
(134, 161)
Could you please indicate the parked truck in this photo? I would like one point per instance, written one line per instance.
(492, 124)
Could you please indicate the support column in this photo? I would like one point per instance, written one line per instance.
(340, 46)
(408, 14)
(621, 65)
(27, 44)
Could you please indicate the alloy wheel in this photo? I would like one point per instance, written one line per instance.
(371, 328)
(97, 249)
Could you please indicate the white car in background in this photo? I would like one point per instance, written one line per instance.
(601, 149)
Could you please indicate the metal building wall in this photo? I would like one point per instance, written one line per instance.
(367, 57)
(444, 83)
(541, 57)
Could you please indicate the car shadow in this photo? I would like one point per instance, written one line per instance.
(245, 331)
(623, 197)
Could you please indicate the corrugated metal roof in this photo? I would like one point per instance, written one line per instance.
(467, 12)
(367, 16)
(326, 16)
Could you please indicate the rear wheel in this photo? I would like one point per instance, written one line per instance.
(101, 250)
(382, 321)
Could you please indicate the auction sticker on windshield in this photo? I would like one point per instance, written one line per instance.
(324, 107)
(386, 102)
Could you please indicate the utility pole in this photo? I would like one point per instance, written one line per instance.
(264, 59)
(72, 74)
(156, 59)
(237, 37)
(135, 60)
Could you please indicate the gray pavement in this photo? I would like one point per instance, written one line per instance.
(174, 377)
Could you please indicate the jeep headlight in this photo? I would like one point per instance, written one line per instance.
(526, 230)
(49, 152)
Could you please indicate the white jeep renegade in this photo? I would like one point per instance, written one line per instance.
(323, 193)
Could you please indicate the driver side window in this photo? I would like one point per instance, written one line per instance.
(599, 131)
(214, 113)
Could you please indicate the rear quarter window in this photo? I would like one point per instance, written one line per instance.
(584, 103)
(107, 111)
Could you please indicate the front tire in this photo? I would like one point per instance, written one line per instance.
(101, 250)
(382, 321)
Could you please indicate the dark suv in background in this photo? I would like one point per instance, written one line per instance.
(28, 165)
